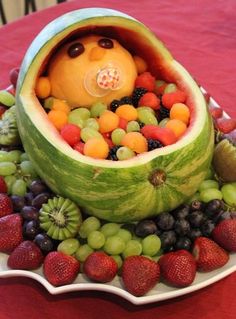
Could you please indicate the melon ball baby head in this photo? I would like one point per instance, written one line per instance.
(88, 56)
(91, 69)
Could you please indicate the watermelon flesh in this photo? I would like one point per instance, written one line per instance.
(121, 191)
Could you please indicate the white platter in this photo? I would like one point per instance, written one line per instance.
(158, 293)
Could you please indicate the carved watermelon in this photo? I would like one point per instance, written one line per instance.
(121, 191)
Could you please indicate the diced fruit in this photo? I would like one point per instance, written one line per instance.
(88, 133)
(135, 141)
(71, 134)
(123, 123)
(170, 87)
(178, 268)
(60, 105)
(146, 116)
(140, 274)
(60, 269)
(43, 87)
(124, 153)
(150, 99)
(216, 112)
(96, 148)
(79, 147)
(165, 135)
(26, 256)
(117, 136)
(58, 118)
(225, 234)
(180, 111)
(168, 99)
(160, 87)
(209, 255)
(133, 126)
(140, 63)
(108, 121)
(145, 80)
(127, 112)
(177, 126)
(97, 109)
(226, 125)
(100, 267)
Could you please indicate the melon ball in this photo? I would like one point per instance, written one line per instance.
(91, 69)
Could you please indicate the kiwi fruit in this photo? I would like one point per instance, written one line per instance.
(224, 160)
(60, 218)
(9, 134)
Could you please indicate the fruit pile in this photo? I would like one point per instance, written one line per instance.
(40, 228)
(155, 115)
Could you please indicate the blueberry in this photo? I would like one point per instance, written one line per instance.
(207, 228)
(183, 243)
(196, 218)
(182, 227)
(165, 221)
(168, 239)
(181, 212)
(145, 227)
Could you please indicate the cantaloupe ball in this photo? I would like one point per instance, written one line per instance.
(43, 87)
(96, 148)
(108, 122)
(127, 112)
(135, 141)
(177, 126)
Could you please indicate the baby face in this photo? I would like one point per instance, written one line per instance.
(91, 69)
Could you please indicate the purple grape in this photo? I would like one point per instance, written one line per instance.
(18, 202)
(183, 243)
(181, 212)
(196, 218)
(213, 207)
(196, 205)
(30, 213)
(207, 228)
(194, 233)
(182, 227)
(37, 187)
(41, 199)
(168, 239)
(44, 242)
(30, 229)
(165, 221)
(29, 198)
(145, 227)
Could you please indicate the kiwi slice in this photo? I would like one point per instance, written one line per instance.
(9, 134)
(224, 160)
(60, 218)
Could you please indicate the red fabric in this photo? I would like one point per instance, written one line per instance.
(201, 35)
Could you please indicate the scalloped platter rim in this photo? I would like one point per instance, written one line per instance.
(159, 293)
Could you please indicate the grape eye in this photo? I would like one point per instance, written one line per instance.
(106, 43)
(75, 50)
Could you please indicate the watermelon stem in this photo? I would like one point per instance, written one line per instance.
(157, 177)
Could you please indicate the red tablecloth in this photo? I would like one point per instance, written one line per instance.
(201, 35)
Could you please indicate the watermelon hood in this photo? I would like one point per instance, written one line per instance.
(102, 187)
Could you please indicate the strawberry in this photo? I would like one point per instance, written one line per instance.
(224, 234)
(100, 267)
(178, 268)
(216, 112)
(60, 269)
(140, 274)
(226, 125)
(11, 232)
(25, 256)
(3, 185)
(208, 254)
(6, 206)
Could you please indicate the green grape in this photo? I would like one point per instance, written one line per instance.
(24, 157)
(48, 102)
(151, 244)
(97, 109)
(118, 260)
(7, 168)
(19, 188)
(233, 184)
(163, 122)
(114, 245)
(147, 117)
(88, 225)
(4, 156)
(229, 194)
(133, 248)
(14, 156)
(117, 136)
(10, 180)
(87, 133)
(110, 229)
(145, 108)
(133, 126)
(73, 119)
(210, 173)
(208, 183)
(83, 252)
(68, 246)
(159, 83)
(139, 239)
(96, 239)
(27, 168)
(210, 193)
(171, 87)
(92, 123)
(124, 234)
(124, 153)
(6, 98)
